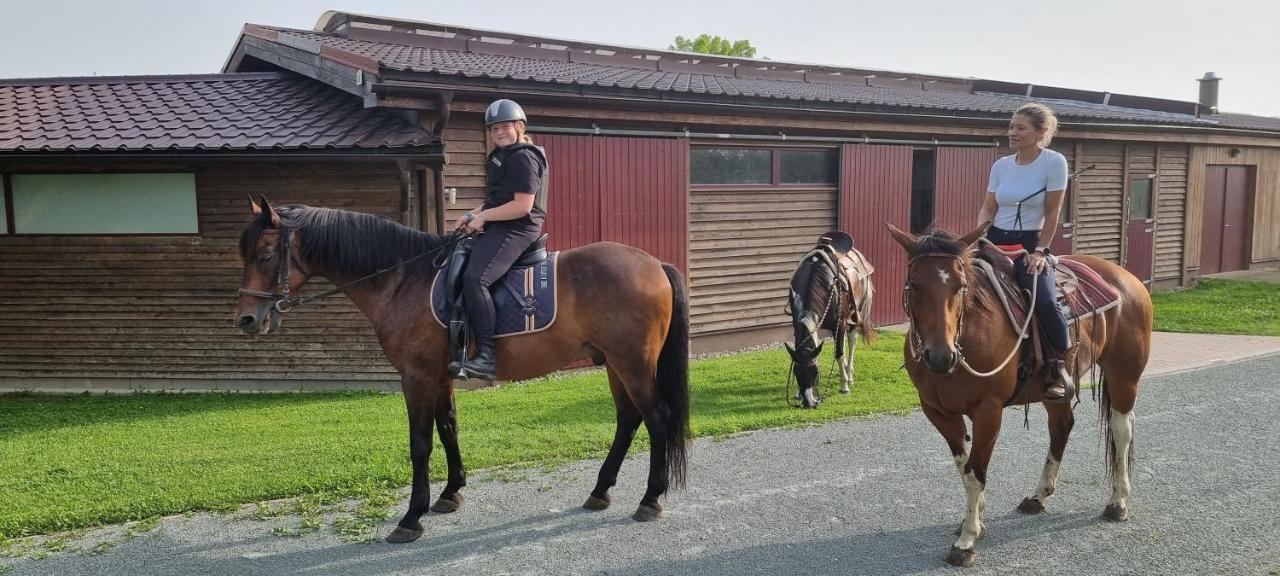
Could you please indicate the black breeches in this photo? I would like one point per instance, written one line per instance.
(1052, 324)
(493, 254)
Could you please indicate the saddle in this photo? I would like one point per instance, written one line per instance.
(1081, 292)
(516, 302)
(836, 248)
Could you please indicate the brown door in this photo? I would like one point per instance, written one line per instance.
(1224, 239)
(1140, 228)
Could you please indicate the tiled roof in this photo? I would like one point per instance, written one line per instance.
(189, 113)
(473, 59)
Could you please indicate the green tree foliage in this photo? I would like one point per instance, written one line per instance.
(708, 44)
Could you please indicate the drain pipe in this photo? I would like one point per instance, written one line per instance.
(779, 137)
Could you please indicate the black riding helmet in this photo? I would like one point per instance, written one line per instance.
(503, 111)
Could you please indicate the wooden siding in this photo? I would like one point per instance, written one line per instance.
(743, 245)
(1266, 202)
(1171, 197)
(1099, 217)
(142, 307)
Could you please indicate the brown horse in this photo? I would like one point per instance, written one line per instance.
(617, 305)
(954, 321)
(831, 290)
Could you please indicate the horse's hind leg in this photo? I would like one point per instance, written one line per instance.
(1061, 420)
(447, 424)
(628, 421)
(1120, 388)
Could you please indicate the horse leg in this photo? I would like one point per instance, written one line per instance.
(1123, 361)
(986, 427)
(640, 385)
(447, 424)
(1061, 420)
(846, 367)
(421, 414)
(628, 421)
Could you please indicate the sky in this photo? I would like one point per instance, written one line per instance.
(1141, 47)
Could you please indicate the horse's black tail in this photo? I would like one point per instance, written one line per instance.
(673, 379)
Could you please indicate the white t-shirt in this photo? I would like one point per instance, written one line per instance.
(1012, 183)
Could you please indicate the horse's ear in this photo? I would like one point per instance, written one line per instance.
(790, 351)
(906, 240)
(266, 207)
(818, 351)
(254, 208)
(972, 238)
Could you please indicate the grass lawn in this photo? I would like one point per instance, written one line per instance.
(1220, 307)
(71, 462)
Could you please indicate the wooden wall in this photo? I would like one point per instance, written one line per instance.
(161, 307)
(1266, 203)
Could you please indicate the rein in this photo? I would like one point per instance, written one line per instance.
(916, 342)
(285, 303)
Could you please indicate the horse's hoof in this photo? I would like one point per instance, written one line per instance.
(961, 558)
(402, 535)
(594, 503)
(1116, 513)
(844, 390)
(1031, 506)
(646, 513)
(447, 504)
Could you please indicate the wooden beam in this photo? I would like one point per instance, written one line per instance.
(1124, 206)
(996, 130)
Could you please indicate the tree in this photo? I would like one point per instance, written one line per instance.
(708, 44)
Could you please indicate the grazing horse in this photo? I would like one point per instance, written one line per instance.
(955, 320)
(830, 290)
(617, 305)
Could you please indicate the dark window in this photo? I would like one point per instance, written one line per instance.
(1140, 198)
(731, 166)
(923, 196)
(808, 166)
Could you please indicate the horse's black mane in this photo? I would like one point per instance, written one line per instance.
(353, 244)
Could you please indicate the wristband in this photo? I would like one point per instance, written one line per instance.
(470, 216)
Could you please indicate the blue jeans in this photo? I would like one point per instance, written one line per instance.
(1052, 324)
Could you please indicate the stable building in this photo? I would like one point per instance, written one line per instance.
(728, 168)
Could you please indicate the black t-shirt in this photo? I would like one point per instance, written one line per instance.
(515, 169)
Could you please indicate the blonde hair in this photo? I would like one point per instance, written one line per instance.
(1042, 117)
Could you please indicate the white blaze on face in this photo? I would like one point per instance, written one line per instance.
(944, 275)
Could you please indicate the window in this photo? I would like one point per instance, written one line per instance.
(731, 166)
(764, 166)
(808, 166)
(103, 204)
(1140, 198)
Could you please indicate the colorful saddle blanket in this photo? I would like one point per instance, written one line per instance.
(524, 300)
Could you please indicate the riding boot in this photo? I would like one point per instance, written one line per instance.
(482, 366)
(1059, 386)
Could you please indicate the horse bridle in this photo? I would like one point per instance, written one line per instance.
(280, 293)
(280, 288)
(918, 341)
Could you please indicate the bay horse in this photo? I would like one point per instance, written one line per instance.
(953, 321)
(830, 290)
(618, 306)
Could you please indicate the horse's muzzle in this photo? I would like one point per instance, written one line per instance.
(940, 362)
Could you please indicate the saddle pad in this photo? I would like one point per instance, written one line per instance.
(524, 300)
(1081, 292)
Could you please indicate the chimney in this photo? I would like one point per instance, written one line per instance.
(1209, 93)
